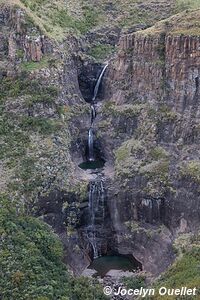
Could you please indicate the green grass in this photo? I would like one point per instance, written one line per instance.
(40, 125)
(79, 17)
(21, 86)
(32, 66)
(58, 19)
(184, 23)
(64, 20)
(138, 16)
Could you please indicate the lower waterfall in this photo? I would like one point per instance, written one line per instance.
(96, 213)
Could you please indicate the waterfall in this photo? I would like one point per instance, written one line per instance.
(90, 145)
(97, 212)
(93, 113)
(93, 116)
(96, 188)
(98, 83)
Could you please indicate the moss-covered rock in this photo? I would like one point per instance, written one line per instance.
(191, 170)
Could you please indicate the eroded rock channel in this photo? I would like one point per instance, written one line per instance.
(96, 229)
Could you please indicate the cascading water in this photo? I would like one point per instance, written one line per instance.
(96, 90)
(96, 188)
(97, 214)
(91, 156)
(90, 145)
(93, 113)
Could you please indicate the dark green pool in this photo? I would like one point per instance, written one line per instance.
(106, 263)
(92, 165)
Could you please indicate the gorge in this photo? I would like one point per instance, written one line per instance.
(99, 133)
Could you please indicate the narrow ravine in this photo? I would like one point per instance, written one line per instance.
(96, 231)
(96, 187)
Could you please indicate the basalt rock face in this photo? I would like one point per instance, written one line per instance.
(151, 100)
(18, 33)
(150, 65)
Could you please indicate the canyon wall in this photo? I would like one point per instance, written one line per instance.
(160, 67)
(149, 126)
(147, 129)
(43, 127)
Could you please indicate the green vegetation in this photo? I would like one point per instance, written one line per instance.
(138, 16)
(158, 153)
(80, 16)
(182, 5)
(133, 226)
(13, 140)
(33, 89)
(191, 170)
(27, 173)
(40, 125)
(14, 129)
(101, 51)
(185, 271)
(134, 158)
(17, 127)
(129, 157)
(64, 20)
(135, 282)
(157, 170)
(185, 23)
(20, 54)
(127, 110)
(131, 147)
(35, 65)
(165, 114)
(31, 260)
(59, 19)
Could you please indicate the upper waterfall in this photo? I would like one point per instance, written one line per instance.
(98, 82)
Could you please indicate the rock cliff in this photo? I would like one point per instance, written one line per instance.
(147, 126)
